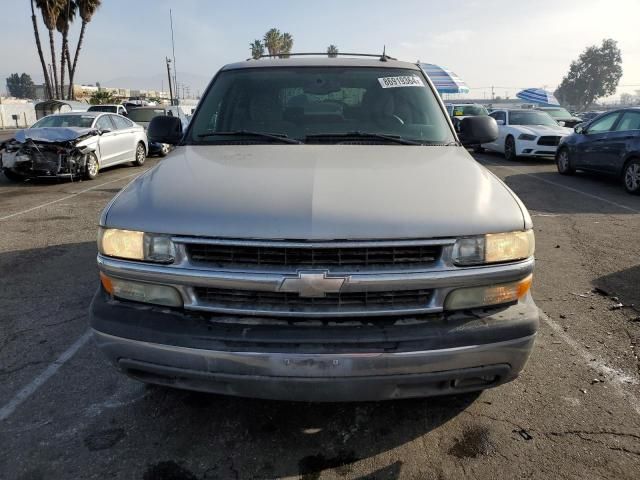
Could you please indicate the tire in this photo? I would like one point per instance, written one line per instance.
(12, 176)
(478, 149)
(631, 176)
(164, 150)
(141, 155)
(510, 149)
(563, 162)
(92, 167)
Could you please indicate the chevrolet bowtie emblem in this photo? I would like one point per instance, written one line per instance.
(314, 283)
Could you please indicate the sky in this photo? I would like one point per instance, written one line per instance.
(505, 43)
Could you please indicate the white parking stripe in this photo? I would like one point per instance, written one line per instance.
(533, 175)
(69, 196)
(617, 378)
(26, 392)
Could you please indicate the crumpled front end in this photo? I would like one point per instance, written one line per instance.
(30, 158)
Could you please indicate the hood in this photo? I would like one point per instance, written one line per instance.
(53, 134)
(540, 130)
(317, 192)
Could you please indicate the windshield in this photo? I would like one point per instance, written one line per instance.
(303, 102)
(531, 118)
(145, 114)
(558, 113)
(103, 108)
(469, 110)
(65, 121)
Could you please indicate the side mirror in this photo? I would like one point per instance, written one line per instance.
(499, 122)
(579, 128)
(477, 130)
(561, 123)
(165, 129)
(104, 130)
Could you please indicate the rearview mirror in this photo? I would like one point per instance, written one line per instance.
(477, 130)
(165, 129)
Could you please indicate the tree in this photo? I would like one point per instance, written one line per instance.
(50, 10)
(332, 51)
(86, 9)
(45, 72)
(101, 97)
(21, 86)
(595, 74)
(278, 44)
(257, 49)
(66, 16)
(626, 99)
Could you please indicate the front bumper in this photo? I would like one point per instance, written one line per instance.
(350, 361)
(530, 148)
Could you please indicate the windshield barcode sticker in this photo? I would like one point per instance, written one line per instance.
(406, 81)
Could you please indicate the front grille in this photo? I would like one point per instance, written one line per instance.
(226, 256)
(286, 302)
(549, 141)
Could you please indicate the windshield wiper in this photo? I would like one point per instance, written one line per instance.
(281, 137)
(379, 136)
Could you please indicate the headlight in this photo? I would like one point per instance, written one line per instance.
(477, 297)
(494, 248)
(141, 292)
(527, 136)
(133, 245)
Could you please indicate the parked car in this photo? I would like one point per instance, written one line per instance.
(562, 116)
(143, 115)
(317, 235)
(588, 116)
(525, 133)
(609, 144)
(460, 111)
(73, 145)
(119, 109)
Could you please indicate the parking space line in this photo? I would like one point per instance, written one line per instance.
(615, 377)
(27, 391)
(6, 217)
(575, 190)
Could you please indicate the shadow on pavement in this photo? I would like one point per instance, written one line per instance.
(623, 284)
(249, 438)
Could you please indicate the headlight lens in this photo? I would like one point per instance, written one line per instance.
(134, 245)
(142, 292)
(494, 248)
(476, 297)
(527, 136)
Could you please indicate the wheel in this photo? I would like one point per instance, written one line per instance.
(510, 149)
(12, 176)
(631, 177)
(478, 149)
(141, 155)
(564, 163)
(164, 150)
(92, 167)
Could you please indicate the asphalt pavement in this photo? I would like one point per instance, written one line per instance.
(574, 412)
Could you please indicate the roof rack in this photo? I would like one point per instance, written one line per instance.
(383, 58)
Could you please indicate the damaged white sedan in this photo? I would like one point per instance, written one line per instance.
(73, 145)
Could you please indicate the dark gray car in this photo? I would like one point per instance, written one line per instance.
(319, 233)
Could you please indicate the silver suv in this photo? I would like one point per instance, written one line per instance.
(319, 233)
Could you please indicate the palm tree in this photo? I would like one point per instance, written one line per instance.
(332, 51)
(86, 8)
(67, 14)
(286, 44)
(257, 49)
(47, 80)
(50, 10)
(272, 41)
